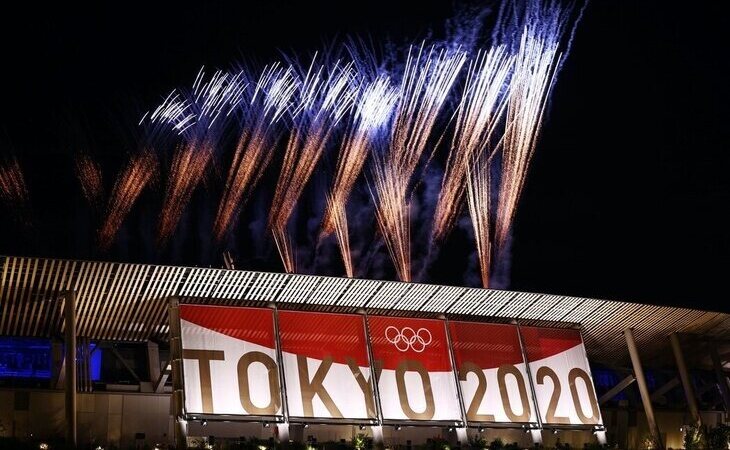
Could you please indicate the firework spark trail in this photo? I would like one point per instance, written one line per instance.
(255, 147)
(478, 191)
(533, 77)
(372, 112)
(89, 175)
(338, 215)
(480, 110)
(427, 80)
(187, 169)
(200, 118)
(324, 100)
(13, 190)
(130, 183)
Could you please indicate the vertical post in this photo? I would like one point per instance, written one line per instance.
(153, 361)
(689, 392)
(377, 430)
(721, 377)
(643, 389)
(69, 307)
(282, 429)
(178, 396)
(535, 433)
(461, 435)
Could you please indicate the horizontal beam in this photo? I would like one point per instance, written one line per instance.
(614, 391)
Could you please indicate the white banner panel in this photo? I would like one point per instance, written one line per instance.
(229, 361)
(326, 367)
(492, 373)
(561, 376)
(416, 380)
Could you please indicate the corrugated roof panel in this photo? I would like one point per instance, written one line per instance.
(388, 295)
(358, 293)
(442, 299)
(329, 291)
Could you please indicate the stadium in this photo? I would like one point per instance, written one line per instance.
(150, 371)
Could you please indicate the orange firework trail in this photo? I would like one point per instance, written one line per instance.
(482, 105)
(338, 216)
(324, 100)
(254, 150)
(13, 190)
(478, 192)
(200, 117)
(533, 77)
(186, 172)
(373, 110)
(89, 175)
(130, 183)
(427, 80)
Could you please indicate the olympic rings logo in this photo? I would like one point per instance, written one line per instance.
(408, 338)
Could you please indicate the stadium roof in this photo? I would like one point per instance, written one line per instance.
(128, 302)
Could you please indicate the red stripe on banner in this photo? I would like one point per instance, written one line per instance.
(541, 343)
(395, 339)
(322, 335)
(487, 345)
(255, 325)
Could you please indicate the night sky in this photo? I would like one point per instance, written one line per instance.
(627, 194)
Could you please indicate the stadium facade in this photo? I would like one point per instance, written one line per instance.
(168, 355)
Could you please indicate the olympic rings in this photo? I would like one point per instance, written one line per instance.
(406, 338)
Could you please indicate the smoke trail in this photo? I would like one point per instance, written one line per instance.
(130, 183)
(426, 82)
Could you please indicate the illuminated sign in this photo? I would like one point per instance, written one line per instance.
(257, 362)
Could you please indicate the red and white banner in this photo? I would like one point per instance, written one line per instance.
(561, 376)
(326, 366)
(492, 373)
(416, 380)
(229, 361)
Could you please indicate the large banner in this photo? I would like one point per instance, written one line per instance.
(229, 361)
(492, 373)
(561, 376)
(415, 380)
(326, 365)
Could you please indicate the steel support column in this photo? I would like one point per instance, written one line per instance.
(689, 392)
(180, 427)
(721, 377)
(69, 307)
(643, 389)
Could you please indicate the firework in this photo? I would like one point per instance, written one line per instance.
(338, 215)
(188, 167)
(130, 183)
(13, 190)
(478, 115)
(270, 100)
(478, 191)
(372, 112)
(426, 82)
(88, 172)
(200, 117)
(324, 100)
(533, 77)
